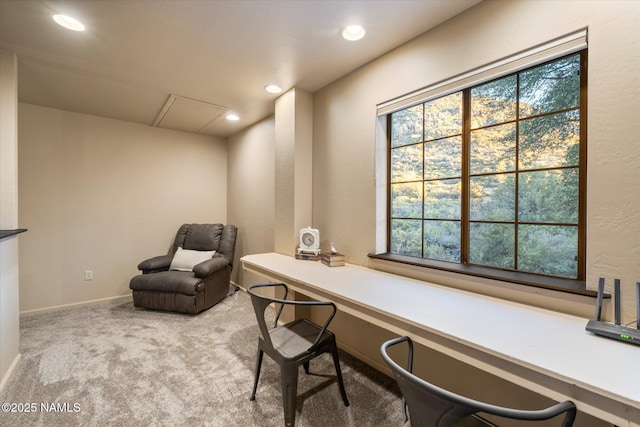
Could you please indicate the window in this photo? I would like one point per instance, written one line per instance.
(493, 175)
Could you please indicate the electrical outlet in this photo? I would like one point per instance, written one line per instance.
(88, 275)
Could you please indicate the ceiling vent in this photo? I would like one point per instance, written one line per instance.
(189, 115)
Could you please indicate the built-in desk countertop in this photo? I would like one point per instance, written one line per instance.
(545, 351)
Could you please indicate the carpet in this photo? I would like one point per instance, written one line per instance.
(116, 365)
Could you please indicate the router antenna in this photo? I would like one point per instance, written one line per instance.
(637, 305)
(599, 300)
(616, 289)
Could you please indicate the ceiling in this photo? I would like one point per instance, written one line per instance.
(184, 64)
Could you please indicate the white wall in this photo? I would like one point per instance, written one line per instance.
(344, 132)
(102, 195)
(251, 189)
(9, 276)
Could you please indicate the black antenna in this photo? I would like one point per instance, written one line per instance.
(616, 290)
(599, 300)
(637, 305)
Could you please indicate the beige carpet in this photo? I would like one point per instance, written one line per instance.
(115, 365)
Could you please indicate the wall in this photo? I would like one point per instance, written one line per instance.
(344, 133)
(294, 166)
(102, 195)
(251, 183)
(9, 273)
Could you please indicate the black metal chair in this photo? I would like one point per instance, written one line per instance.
(432, 406)
(292, 344)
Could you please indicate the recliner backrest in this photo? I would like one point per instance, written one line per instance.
(207, 237)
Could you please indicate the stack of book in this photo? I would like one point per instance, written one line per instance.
(333, 260)
(307, 256)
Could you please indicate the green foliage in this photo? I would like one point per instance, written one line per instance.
(406, 236)
(443, 117)
(406, 126)
(406, 200)
(548, 249)
(442, 240)
(494, 102)
(492, 244)
(492, 197)
(549, 196)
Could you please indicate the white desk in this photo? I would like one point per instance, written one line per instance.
(544, 351)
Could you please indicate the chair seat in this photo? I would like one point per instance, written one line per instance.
(182, 282)
(295, 338)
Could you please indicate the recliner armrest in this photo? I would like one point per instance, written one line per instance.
(158, 263)
(210, 266)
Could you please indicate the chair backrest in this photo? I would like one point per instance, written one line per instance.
(260, 303)
(207, 237)
(432, 406)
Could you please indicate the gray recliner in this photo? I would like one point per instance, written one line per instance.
(160, 288)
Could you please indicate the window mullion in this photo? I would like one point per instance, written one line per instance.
(464, 196)
(582, 171)
(517, 177)
(389, 183)
(424, 172)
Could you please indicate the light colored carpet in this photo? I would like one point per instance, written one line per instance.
(115, 365)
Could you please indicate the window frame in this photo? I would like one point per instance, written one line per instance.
(577, 285)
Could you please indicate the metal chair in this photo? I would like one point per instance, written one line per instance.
(432, 406)
(292, 345)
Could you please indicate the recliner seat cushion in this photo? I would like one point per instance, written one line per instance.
(183, 282)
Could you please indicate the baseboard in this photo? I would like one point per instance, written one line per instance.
(10, 371)
(121, 298)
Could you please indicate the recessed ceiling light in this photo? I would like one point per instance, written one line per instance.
(353, 32)
(273, 88)
(233, 117)
(68, 22)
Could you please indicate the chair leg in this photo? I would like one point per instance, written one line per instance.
(255, 383)
(289, 375)
(306, 367)
(336, 362)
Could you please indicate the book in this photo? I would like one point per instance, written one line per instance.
(333, 260)
(333, 263)
(307, 257)
(337, 256)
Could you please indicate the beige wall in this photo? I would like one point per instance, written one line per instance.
(294, 164)
(251, 190)
(344, 204)
(102, 195)
(9, 272)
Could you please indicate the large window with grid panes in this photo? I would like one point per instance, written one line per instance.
(494, 175)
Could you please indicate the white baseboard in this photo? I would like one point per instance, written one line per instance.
(10, 371)
(122, 298)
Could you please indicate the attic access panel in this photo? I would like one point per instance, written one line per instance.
(188, 115)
